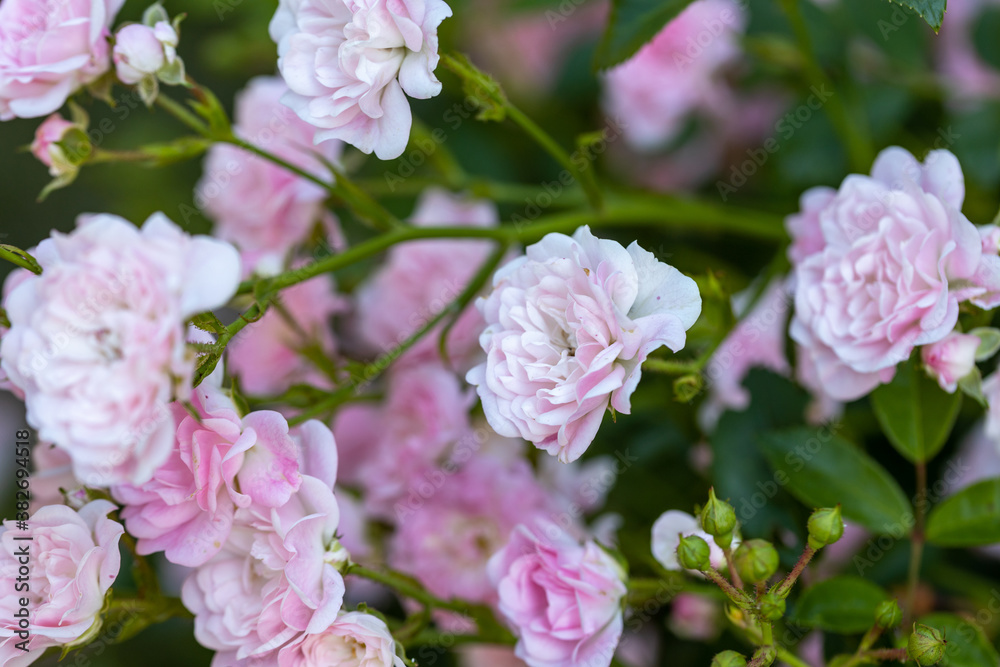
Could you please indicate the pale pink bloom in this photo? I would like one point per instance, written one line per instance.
(898, 258)
(52, 473)
(141, 51)
(804, 226)
(267, 356)
(351, 63)
(14, 278)
(695, 617)
(447, 538)
(44, 146)
(639, 647)
(393, 449)
(950, 359)
(421, 278)
(666, 537)
(73, 561)
(97, 342)
(676, 74)
(568, 327)
(261, 207)
(278, 575)
(758, 341)
(51, 48)
(960, 67)
(562, 598)
(220, 463)
(355, 639)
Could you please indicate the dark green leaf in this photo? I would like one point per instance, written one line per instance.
(984, 35)
(635, 22)
(969, 518)
(931, 11)
(915, 413)
(19, 257)
(967, 647)
(822, 470)
(842, 604)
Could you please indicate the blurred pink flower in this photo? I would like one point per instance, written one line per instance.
(666, 537)
(562, 598)
(50, 49)
(898, 258)
(267, 357)
(421, 278)
(695, 617)
(446, 540)
(950, 359)
(676, 74)
(75, 560)
(351, 63)
(263, 208)
(758, 341)
(389, 450)
(961, 69)
(97, 342)
(568, 327)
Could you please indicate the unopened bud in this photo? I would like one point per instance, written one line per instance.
(826, 526)
(772, 607)
(718, 518)
(926, 645)
(756, 561)
(729, 659)
(888, 615)
(693, 553)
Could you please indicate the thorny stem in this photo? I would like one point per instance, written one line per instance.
(785, 587)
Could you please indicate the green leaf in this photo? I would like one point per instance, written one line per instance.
(178, 150)
(984, 33)
(931, 11)
(915, 413)
(822, 470)
(842, 604)
(19, 257)
(209, 322)
(635, 22)
(969, 518)
(967, 646)
(989, 339)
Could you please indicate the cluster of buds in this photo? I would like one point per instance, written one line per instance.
(145, 53)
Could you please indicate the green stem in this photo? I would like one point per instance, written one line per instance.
(738, 597)
(670, 367)
(374, 369)
(728, 552)
(786, 656)
(409, 588)
(285, 164)
(469, 74)
(785, 587)
(181, 113)
(916, 543)
(858, 146)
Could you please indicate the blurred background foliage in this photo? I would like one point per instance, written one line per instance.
(885, 76)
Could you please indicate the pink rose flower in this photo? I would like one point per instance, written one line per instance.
(262, 208)
(220, 463)
(295, 558)
(950, 359)
(758, 341)
(74, 559)
(351, 63)
(97, 342)
(267, 356)
(14, 278)
(677, 73)
(568, 327)
(898, 258)
(392, 305)
(487, 655)
(52, 473)
(50, 49)
(804, 227)
(390, 450)
(667, 532)
(562, 598)
(476, 509)
(355, 639)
